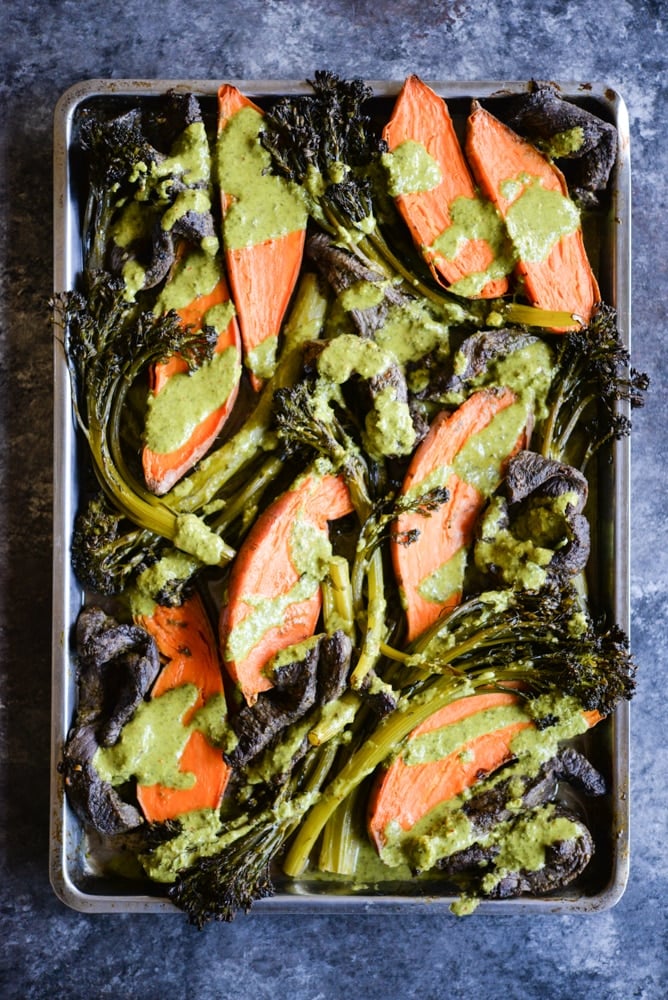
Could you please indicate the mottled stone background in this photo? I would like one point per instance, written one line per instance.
(50, 951)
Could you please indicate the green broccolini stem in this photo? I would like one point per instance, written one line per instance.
(374, 621)
(113, 423)
(559, 449)
(549, 428)
(330, 725)
(358, 576)
(390, 653)
(337, 598)
(156, 517)
(318, 766)
(481, 639)
(340, 848)
(567, 391)
(450, 621)
(378, 251)
(374, 251)
(329, 613)
(244, 502)
(526, 315)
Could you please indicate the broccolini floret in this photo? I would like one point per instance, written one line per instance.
(219, 886)
(305, 417)
(592, 377)
(107, 550)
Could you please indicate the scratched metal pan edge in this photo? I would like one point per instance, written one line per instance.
(74, 859)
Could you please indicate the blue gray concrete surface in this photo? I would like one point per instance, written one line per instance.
(51, 951)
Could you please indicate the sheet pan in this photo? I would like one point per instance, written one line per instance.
(78, 862)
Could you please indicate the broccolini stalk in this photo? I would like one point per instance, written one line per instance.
(329, 726)
(374, 622)
(244, 502)
(338, 599)
(342, 836)
(526, 315)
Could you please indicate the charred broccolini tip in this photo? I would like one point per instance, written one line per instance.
(129, 158)
(107, 551)
(116, 146)
(326, 143)
(121, 149)
(302, 422)
(592, 376)
(219, 886)
(597, 670)
(115, 151)
(326, 130)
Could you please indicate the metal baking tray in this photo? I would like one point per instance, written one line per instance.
(78, 863)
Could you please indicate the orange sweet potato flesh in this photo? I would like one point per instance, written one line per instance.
(263, 571)
(163, 470)
(404, 794)
(564, 280)
(186, 641)
(451, 527)
(422, 116)
(262, 276)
